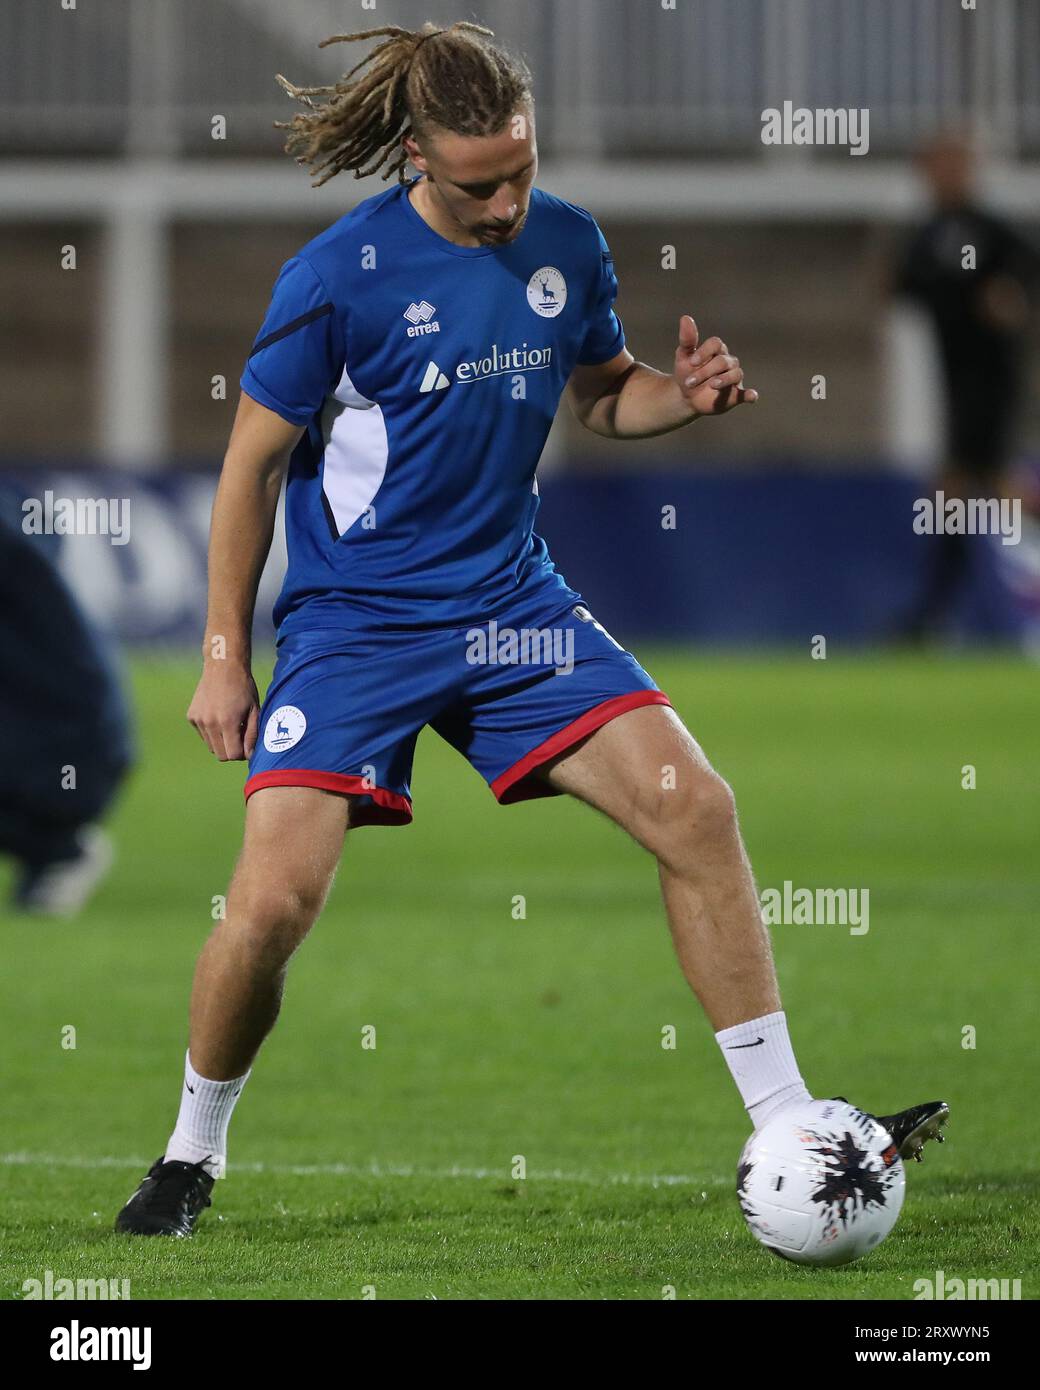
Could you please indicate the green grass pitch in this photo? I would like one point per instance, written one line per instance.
(391, 1168)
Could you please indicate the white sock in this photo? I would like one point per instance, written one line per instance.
(200, 1135)
(761, 1061)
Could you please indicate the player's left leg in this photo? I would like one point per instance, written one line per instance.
(648, 774)
(571, 711)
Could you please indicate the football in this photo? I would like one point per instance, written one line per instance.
(821, 1183)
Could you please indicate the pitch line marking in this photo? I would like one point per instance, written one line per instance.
(378, 1170)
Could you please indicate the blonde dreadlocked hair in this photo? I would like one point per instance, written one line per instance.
(415, 80)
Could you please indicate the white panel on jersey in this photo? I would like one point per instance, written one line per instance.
(355, 452)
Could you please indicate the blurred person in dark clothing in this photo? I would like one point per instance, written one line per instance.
(980, 314)
(66, 729)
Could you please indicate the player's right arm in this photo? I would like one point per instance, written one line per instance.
(226, 707)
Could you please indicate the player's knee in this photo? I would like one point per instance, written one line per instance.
(274, 917)
(711, 809)
(698, 812)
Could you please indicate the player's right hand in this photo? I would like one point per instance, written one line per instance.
(226, 710)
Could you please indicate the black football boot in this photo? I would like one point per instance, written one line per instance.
(168, 1201)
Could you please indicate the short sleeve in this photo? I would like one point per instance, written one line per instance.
(605, 336)
(297, 358)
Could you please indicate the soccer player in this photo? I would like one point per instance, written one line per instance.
(411, 361)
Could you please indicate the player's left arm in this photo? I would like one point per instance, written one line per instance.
(626, 399)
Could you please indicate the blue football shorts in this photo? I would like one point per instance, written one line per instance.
(345, 708)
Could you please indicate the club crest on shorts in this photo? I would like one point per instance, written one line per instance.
(284, 729)
(547, 292)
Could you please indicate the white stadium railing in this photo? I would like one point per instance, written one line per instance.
(646, 77)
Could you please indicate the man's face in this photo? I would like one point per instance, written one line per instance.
(949, 167)
(482, 183)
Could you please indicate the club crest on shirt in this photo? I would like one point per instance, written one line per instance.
(547, 292)
(284, 729)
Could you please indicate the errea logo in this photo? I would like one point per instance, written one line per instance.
(419, 316)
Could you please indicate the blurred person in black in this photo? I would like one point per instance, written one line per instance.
(980, 317)
(66, 729)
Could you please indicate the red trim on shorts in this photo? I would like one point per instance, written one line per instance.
(510, 786)
(387, 808)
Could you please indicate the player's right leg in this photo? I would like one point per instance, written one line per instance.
(293, 841)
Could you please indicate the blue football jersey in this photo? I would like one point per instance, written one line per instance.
(427, 376)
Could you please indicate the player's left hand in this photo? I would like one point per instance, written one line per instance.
(710, 378)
